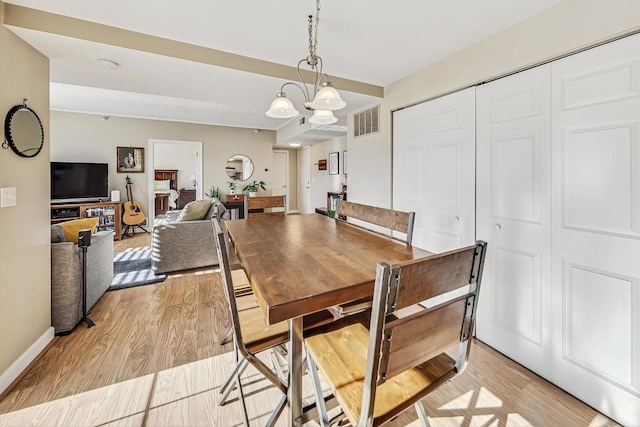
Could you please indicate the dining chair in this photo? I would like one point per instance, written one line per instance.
(256, 205)
(251, 335)
(421, 309)
(387, 218)
(241, 284)
(390, 219)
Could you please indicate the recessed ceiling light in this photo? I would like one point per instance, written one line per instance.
(294, 144)
(107, 63)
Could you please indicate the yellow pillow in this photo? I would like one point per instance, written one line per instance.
(195, 211)
(71, 228)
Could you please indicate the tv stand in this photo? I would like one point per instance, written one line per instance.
(109, 215)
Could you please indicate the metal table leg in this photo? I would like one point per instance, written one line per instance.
(295, 372)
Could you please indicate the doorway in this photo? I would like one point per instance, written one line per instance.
(304, 168)
(188, 163)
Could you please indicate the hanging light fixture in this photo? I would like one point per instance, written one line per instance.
(323, 100)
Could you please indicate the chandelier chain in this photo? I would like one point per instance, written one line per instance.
(312, 59)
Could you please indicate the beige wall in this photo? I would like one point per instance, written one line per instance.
(565, 28)
(25, 250)
(321, 181)
(88, 138)
(177, 156)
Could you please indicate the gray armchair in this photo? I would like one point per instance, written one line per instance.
(182, 245)
(66, 278)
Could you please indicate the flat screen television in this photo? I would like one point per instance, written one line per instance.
(79, 182)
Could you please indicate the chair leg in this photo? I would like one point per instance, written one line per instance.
(277, 367)
(241, 399)
(227, 387)
(422, 414)
(323, 417)
(226, 336)
(277, 411)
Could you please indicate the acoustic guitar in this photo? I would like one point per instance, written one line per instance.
(132, 214)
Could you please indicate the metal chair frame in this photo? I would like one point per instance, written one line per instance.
(438, 279)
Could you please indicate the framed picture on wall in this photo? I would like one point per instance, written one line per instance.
(130, 159)
(334, 163)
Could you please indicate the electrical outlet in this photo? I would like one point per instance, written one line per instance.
(7, 197)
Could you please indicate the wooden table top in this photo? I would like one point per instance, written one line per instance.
(300, 264)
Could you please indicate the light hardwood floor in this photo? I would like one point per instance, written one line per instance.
(153, 360)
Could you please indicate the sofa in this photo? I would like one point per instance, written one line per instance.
(66, 278)
(179, 244)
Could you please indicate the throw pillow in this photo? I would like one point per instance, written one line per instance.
(194, 211)
(71, 228)
(57, 234)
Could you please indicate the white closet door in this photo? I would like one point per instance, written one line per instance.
(596, 227)
(434, 169)
(514, 216)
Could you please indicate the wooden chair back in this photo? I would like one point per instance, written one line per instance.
(421, 309)
(388, 218)
(257, 205)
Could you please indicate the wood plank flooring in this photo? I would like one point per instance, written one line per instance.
(153, 360)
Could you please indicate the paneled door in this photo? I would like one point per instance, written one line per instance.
(304, 180)
(280, 181)
(514, 216)
(596, 227)
(434, 169)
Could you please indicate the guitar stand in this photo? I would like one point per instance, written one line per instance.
(133, 229)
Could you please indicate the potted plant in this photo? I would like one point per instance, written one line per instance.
(232, 187)
(254, 187)
(213, 193)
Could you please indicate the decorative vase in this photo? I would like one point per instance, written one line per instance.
(232, 192)
(253, 193)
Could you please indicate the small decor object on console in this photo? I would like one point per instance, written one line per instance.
(254, 187)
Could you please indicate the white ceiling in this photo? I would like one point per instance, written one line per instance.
(372, 41)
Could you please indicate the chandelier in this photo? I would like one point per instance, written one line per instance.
(323, 100)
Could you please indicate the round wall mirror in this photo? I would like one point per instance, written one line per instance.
(23, 131)
(239, 167)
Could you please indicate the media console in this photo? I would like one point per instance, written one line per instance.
(109, 215)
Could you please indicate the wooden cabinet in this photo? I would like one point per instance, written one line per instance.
(109, 215)
(186, 196)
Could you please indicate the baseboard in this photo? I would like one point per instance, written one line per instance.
(17, 367)
(293, 211)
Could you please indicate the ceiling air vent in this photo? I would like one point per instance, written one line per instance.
(366, 122)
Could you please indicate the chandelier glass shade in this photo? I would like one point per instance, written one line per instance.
(323, 99)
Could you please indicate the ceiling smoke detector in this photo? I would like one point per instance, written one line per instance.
(107, 63)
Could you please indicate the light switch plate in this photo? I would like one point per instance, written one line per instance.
(7, 197)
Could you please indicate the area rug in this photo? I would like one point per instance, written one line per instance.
(133, 268)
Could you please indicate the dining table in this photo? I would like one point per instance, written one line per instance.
(303, 264)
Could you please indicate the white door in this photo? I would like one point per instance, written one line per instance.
(596, 227)
(514, 216)
(280, 179)
(304, 183)
(434, 169)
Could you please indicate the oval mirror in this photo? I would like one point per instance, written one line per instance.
(239, 167)
(23, 131)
